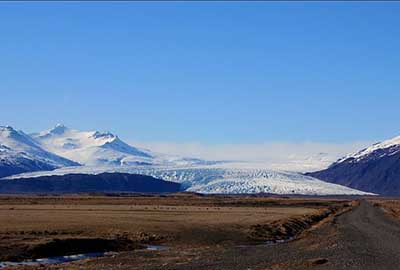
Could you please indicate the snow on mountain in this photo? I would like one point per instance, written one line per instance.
(20, 142)
(220, 180)
(94, 148)
(20, 153)
(91, 147)
(373, 169)
(377, 150)
(14, 162)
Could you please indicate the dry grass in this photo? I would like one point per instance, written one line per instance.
(177, 220)
(390, 206)
(152, 218)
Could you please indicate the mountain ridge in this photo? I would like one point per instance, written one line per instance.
(86, 183)
(373, 169)
(20, 153)
(91, 147)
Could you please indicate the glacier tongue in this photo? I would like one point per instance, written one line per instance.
(222, 180)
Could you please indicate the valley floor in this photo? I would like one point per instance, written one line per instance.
(205, 232)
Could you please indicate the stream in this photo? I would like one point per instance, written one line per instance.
(71, 258)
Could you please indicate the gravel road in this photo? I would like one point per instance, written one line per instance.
(368, 239)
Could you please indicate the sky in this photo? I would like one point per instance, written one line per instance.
(225, 74)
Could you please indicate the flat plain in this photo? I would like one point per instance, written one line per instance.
(201, 232)
(43, 226)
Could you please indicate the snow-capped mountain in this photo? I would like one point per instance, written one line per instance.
(94, 148)
(91, 148)
(62, 147)
(376, 151)
(374, 169)
(20, 153)
(219, 180)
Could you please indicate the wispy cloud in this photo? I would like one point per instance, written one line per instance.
(303, 156)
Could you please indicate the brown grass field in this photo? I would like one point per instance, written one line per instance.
(184, 222)
(391, 206)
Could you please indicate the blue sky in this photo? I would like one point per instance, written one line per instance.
(216, 73)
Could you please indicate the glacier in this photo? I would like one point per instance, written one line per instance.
(215, 179)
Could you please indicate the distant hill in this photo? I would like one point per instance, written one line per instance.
(374, 169)
(84, 183)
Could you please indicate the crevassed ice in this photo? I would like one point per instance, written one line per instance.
(212, 179)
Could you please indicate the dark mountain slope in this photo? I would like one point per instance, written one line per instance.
(374, 169)
(84, 183)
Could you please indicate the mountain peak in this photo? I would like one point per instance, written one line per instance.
(59, 125)
(8, 132)
(373, 169)
(23, 153)
(103, 135)
(6, 128)
(390, 146)
(58, 129)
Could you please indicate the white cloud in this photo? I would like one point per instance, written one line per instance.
(305, 156)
